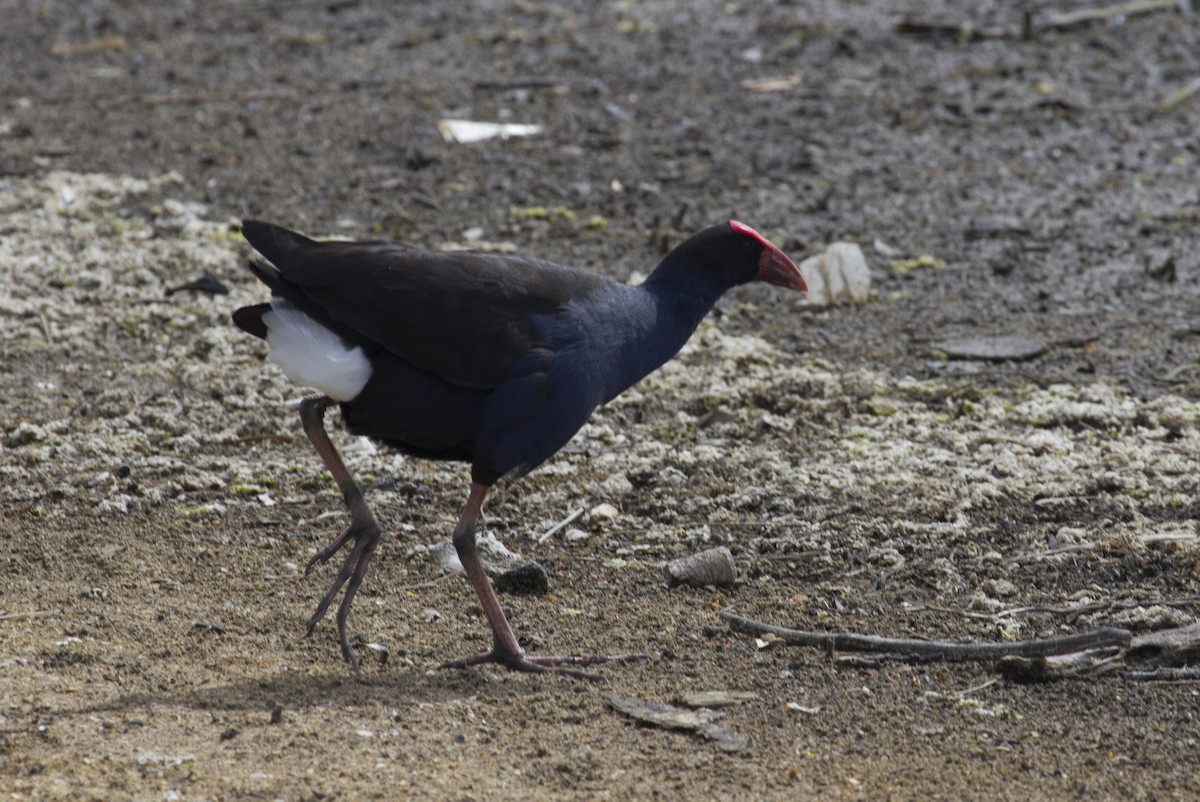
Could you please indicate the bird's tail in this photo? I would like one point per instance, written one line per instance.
(272, 241)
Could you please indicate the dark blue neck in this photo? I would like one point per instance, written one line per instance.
(687, 290)
(660, 315)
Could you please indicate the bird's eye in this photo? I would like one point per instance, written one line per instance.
(747, 246)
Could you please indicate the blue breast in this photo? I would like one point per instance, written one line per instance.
(591, 350)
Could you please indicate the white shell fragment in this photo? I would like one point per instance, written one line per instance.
(604, 513)
(710, 567)
(468, 131)
(838, 275)
(992, 349)
(716, 699)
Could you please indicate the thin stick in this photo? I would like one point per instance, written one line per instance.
(565, 522)
(29, 614)
(429, 584)
(1168, 674)
(1086, 15)
(527, 82)
(952, 611)
(940, 650)
(212, 97)
(1094, 607)
(1179, 96)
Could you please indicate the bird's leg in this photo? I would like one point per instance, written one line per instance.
(505, 649)
(363, 528)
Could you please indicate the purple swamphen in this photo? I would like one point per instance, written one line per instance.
(492, 360)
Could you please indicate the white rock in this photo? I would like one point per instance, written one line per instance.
(603, 513)
(616, 485)
(838, 275)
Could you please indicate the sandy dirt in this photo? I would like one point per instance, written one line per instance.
(159, 501)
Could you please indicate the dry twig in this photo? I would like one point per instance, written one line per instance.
(968, 31)
(28, 614)
(936, 650)
(563, 524)
(1086, 16)
(213, 97)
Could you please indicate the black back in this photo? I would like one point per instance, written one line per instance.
(463, 316)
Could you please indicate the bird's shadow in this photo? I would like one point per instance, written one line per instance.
(292, 690)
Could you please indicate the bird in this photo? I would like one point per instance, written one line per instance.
(493, 360)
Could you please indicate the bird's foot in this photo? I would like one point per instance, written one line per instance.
(565, 664)
(365, 537)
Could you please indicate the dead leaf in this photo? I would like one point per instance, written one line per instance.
(703, 722)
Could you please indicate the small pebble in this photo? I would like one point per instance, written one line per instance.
(529, 579)
(575, 535)
(711, 567)
(604, 513)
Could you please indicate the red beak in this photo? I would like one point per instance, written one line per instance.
(774, 267)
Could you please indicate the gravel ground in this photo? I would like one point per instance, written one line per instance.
(159, 501)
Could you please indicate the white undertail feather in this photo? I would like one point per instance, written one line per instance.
(312, 355)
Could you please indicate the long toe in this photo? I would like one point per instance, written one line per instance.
(349, 576)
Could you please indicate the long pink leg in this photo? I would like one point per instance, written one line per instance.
(363, 528)
(505, 649)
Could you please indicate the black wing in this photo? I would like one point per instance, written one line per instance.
(463, 316)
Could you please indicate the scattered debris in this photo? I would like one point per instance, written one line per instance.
(29, 614)
(1169, 646)
(575, 515)
(497, 558)
(766, 641)
(772, 84)
(467, 131)
(901, 266)
(992, 349)
(1181, 95)
(207, 282)
(911, 648)
(24, 434)
(799, 708)
(301, 38)
(381, 650)
(524, 82)
(574, 534)
(604, 513)
(885, 250)
(246, 96)
(101, 44)
(995, 227)
(710, 567)
(529, 579)
(716, 699)
(965, 31)
(1165, 271)
(1031, 24)
(1123, 11)
(703, 721)
(483, 246)
(837, 275)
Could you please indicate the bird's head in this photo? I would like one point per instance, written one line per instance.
(720, 257)
(773, 265)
